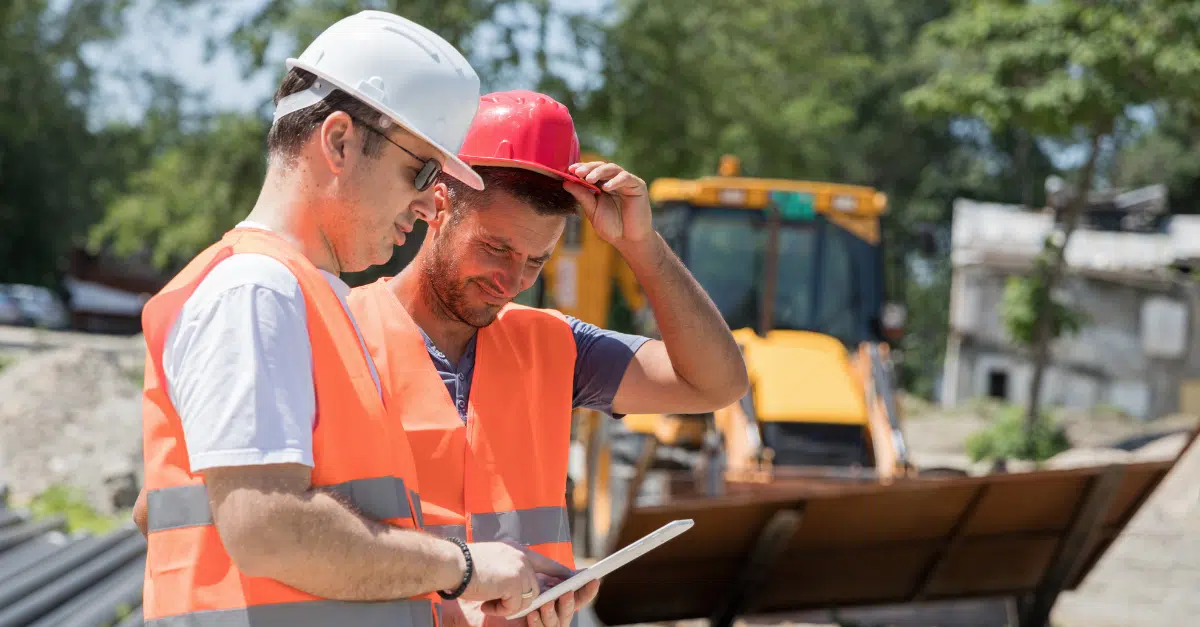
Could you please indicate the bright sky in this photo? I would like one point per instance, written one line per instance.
(150, 43)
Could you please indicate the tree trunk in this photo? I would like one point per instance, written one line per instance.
(1054, 271)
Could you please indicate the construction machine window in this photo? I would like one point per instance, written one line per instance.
(840, 308)
(724, 252)
(817, 285)
(796, 270)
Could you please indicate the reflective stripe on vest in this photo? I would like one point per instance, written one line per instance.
(501, 476)
(416, 613)
(360, 457)
(379, 498)
(542, 525)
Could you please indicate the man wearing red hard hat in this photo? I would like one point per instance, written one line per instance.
(485, 387)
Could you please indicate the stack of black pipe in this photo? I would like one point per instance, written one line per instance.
(49, 577)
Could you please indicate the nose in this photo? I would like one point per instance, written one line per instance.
(422, 205)
(508, 281)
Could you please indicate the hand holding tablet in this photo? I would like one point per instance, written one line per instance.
(609, 564)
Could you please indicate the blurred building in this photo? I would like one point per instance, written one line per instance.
(1137, 351)
(106, 294)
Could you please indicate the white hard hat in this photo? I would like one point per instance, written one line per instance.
(406, 71)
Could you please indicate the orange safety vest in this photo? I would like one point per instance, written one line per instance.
(503, 474)
(190, 578)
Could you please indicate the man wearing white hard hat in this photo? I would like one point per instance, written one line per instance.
(277, 491)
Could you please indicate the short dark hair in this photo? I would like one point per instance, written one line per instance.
(290, 133)
(546, 195)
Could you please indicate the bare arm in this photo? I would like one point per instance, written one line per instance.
(274, 525)
(697, 365)
(139, 512)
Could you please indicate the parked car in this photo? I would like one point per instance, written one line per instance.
(10, 312)
(39, 306)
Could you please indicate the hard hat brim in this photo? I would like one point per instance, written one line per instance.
(529, 165)
(453, 165)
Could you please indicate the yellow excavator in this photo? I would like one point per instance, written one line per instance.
(796, 269)
(803, 494)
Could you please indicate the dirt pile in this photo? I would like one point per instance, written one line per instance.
(71, 416)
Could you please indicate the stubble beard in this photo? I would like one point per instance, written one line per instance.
(446, 299)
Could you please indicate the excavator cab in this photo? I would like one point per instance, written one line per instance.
(796, 269)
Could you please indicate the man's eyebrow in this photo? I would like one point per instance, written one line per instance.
(498, 242)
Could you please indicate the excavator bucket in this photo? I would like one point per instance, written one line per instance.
(797, 545)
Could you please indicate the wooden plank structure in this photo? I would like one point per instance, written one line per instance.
(794, 545)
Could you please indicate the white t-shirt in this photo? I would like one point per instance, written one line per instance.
(238, 364)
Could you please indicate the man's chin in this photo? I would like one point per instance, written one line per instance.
(483, 316)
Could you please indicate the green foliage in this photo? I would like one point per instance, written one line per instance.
(49, 158)
(197, 184)
(1069, 70)
(1169, 153)
(924, 342)
(1052, 68)
(70, 503)
(1024, 297)
(809, 89)
(497, 58)
(123, 611)
(191, 192)
(1007, 438)
(686, 82)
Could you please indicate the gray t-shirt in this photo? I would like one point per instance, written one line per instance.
(601, 357)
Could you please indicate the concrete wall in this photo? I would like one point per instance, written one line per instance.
(1133, 353)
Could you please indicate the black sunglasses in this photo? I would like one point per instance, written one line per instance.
(430, 168)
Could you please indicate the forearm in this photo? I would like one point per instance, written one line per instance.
(318, 545)
(702, 351)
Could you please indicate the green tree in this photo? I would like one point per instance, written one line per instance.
(49, 157)
(807, 89)
(199, 182)
(189, 193)
(1168, 153)
(1066, 70)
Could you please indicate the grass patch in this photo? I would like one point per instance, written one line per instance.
(137, 376)
(1005, 438)
(70, 503)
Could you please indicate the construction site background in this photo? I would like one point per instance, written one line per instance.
(81, 459)
(1002, 138)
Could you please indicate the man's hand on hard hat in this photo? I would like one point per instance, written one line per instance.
(621, 214)
(506, 576)
(697, 366)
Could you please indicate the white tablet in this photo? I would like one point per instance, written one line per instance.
(652, 540)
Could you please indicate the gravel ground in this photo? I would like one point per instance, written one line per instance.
(1150, 577)
(71, 416)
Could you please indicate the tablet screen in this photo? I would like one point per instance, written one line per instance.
(644, 545)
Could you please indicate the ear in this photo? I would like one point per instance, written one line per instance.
(335, 136)
(441, 206)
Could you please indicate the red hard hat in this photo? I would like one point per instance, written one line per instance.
(523, 129)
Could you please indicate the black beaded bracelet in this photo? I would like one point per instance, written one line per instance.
(470, 571)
